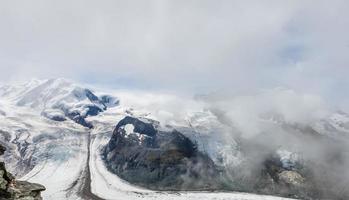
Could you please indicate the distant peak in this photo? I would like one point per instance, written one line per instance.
(59, 81)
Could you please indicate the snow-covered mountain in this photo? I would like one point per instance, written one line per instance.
(55, 131)
(58, 99)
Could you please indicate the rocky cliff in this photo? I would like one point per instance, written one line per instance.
(11, 189)
(164, 160)
(146, 154)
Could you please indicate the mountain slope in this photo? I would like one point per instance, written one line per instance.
(11, 189)
(55, 132)
(59, 99)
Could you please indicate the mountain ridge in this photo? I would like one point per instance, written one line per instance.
(39, 144)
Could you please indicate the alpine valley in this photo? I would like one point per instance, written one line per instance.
(82, 142)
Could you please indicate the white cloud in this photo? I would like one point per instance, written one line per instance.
(181, 45)
(246, 112)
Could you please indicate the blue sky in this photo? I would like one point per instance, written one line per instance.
(183, 45)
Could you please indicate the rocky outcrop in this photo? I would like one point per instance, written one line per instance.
(283, 181)
(96, 106)
(164, 160)
(143, 153)
(11, 189)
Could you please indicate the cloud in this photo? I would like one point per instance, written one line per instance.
(180, 45)
(241, 132)
(248, 113)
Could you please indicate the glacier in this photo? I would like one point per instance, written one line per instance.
(49, 146)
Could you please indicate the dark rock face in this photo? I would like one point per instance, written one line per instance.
(139, 126)
(167, 160)
(158, 159)
(276, 179)
(12, 190)
(109, 101)
(93, 98)
(79, 119)
(2, 150)
(95, 106)
(57, 118)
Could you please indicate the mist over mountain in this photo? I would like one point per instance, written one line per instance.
(182, 46)
(276, 142)
(174, 99)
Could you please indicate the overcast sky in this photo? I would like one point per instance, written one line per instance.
(180, 45)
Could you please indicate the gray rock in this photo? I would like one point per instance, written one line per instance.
(3, 181)
(292, 178)
(10, 189)
(2, 150)
(158, 159)
(22, 190)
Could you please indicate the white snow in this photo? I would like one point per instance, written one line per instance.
(288, 159)
(58, 176)
(52, 97)
(60, 148)
(129, 129)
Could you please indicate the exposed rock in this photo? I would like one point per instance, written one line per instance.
(54, 115)
(94, 99)
(10, 189)
(23, 190)
(2, 150)
(292, 178)
(157, 159)
(284, 181)
(3, 181)
(109, 101)
(57, 118)
(78, 118)
(60, 100)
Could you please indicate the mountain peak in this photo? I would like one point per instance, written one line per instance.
(58, 99)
